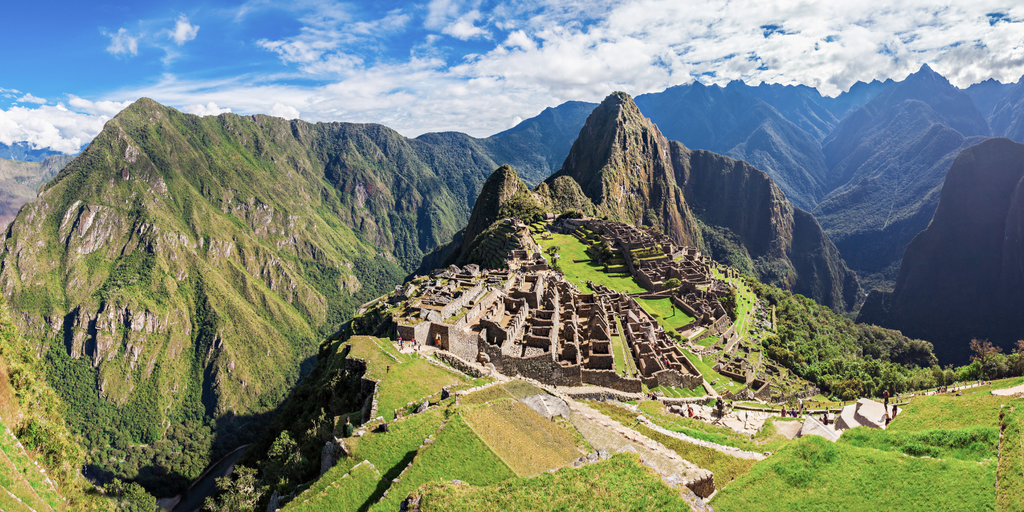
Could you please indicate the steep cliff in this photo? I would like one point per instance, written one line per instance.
(623, 164)
(963, 276)
(732, 210)
(182, 269)
(748, 223)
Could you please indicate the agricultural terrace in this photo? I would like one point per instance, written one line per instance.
(814, 474)
(403, 377)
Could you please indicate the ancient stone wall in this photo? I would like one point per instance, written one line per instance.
(612, 380)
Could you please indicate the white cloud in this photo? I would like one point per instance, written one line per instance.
(183, 31)
(535, 54)
(122, 43)
(107, 109)
(210, 109)
(464, 27)
(285, 111)
(55, 127)
(28, 98)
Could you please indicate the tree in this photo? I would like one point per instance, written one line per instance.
(984, 352)
(672, 283)
(131, 497)
(238, 494)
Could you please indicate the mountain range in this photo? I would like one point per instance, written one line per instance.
(20, 182)
(962, 278)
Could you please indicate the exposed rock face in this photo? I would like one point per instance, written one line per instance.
(963, 276)
(623, 164)
(201, 259)
(729, 208)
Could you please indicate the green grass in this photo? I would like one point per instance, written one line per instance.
(619, 483)
(679, 392)
(971, 444)
(580, 273)
(726, 468)
(815, 474)
(523, 439)
(701, 430)
(456, 454)
(710, 375)
(389, 452)
(1010, 493)
(665, 313)
(624, 364)
(346, 493)
(512, 389)
(22, 478)
(409, 377)
(949, 412)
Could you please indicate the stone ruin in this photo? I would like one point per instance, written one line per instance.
(538, 325)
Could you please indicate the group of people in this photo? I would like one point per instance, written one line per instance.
(401, 344)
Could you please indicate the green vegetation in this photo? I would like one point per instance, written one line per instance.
(976, 408)
(971, 444)
(665, 313)
(457, 453)
(849, 360)
(1010, 474)
(402, 377)
(814, 474)
(388, 452)
(579, 272)
(619, 483)
(725, 467)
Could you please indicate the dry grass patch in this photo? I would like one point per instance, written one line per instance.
(523, 439)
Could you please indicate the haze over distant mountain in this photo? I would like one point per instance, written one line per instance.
(24, 152)
(963, 276)
(735, 212)
(1007, 118)
(773, 127)
(987, 94)
(887, 162)
(21, 181)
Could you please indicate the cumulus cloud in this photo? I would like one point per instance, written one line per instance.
(183, 31)
(516, 58)
(28, 98)
(464, 27)
(285, 111)
(55, 127)
(210, 109)
(122, 43)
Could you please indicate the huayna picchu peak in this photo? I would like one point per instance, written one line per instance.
(524, 256)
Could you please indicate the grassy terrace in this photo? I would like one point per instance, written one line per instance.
(663, 311)
(619, 483)
(1010, 493)
(814, 474)
(579, 273)
(402, 377)
(624, 364)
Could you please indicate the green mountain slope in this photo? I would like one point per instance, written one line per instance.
(179, 272)
(961, 277)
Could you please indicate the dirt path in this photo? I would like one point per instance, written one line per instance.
(728, 450)
(604, 433)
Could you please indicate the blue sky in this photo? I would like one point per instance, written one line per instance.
(473, 66)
